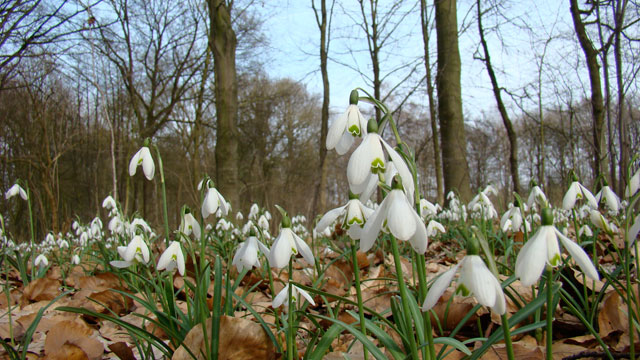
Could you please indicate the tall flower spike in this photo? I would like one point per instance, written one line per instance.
(143, 157)
(543, 249)
(349, 125)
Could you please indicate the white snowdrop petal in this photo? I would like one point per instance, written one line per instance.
(531, 260)
(438, 288)
(579, 256)
(400, 219)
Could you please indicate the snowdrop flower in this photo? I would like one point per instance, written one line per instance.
(239, 216)
(263, 223)
(353, 216)
(427, 209)
(543, 249)
(633, 186)
(349, 125)
(283, 297)
(15, 190)
(537, 196)
(512, 219)
(143, 157)
(609, 198)
(84, 239)
(140, 223)
(369, 158)
(171, 258)
(63, 244)
(475, 278)
(434, 227)
(189, 224)
(599, 221)
(286, 244)
(212, 201)
(481, 204)
(109, 203)
(49, 239)
(253, 211)
(577, 191)
(586, 230)
(136, 251)
(246, 256)
(41, 261)
(401, 219)
(75, 260)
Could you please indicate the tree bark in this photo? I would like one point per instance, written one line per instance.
(597, 103)
(222, 41)
(432, 106)
(320, 198)
(511, 134)
(623, 124)
(454, 151)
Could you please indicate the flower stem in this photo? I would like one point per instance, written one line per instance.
(164, 196)
(507, 337)
(356, 274)
(33, 235)
(426, 316)
(550, 312)
(404, 297)
(290, 314)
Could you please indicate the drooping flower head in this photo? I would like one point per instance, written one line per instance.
(543, 249)
(41, 261)
(283, 297)
(536, 197)
(15, 190)
(136, 251)
(143, 157)
(349, 125)
(172, 258)
(475, 278)
(512, 219)
(353, 216)
(286, 244)
(213, 201)
(608, 197)
(369, 158)
(400, 217)
(246, 256)
(189, 224)
(575, 192)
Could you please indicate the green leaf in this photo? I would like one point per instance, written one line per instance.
(370, 346)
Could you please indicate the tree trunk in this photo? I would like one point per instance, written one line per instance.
(432, 106)
(623, 124)
(320, 198)
(597, 103)
(454, 151)
(511, 134)
(222, 41)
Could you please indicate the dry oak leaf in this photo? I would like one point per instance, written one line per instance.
(39, 290)
(64, 340)
(239, 339)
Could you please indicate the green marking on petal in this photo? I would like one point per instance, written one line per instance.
(555, 260)
(463, 290)
(294, 250)
(355, 130)
(377, 166)
(355, 220)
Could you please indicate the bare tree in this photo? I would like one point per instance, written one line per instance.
(497, 93)
(223, 42)
(323, 20)
(425, 21)
(454, 152)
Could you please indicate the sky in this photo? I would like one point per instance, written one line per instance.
(516, 52)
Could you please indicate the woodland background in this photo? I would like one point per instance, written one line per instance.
(82, 84)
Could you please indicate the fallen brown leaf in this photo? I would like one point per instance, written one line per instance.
(77, 336)
(39, 290)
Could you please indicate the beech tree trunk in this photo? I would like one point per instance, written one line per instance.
(222, 41)
(454, 144)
